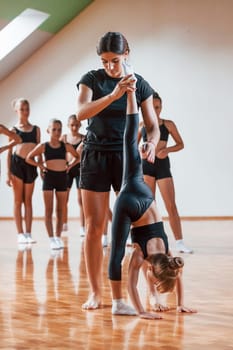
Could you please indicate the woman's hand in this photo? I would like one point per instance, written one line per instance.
(182, 308)
(150, 316)
(125, 84)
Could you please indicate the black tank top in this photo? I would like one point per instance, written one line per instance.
(75, 145)
(164, 133)
(51, 153)
(27, 136)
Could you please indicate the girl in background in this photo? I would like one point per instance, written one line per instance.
(74, 138)
(20, 175)
(159, 172)
(54, 168)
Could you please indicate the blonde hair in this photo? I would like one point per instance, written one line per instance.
(54, 121)
(166, 270)
(15, 103)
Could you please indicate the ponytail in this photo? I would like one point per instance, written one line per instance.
(175, 263)
(166, 270)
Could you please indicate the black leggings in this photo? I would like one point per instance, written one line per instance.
(134, 198)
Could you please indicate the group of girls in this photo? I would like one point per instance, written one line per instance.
(58, 161)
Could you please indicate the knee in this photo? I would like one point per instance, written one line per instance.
(93, 231)
(28, 202)
(18, 203)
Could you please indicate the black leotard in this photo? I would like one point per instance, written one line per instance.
(134, 198)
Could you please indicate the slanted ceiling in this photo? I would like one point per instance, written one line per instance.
(61, 12)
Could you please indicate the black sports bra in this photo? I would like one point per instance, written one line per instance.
(51, 153)
(164, 133)
(142, 234)
(27, 136)
(75, 145)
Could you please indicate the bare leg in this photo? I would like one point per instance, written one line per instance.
(61, 199)
(28, 192)
(95, 205)
(65, 211)
(105, 234)
(18, 186)
(48, 201)
(167, 190)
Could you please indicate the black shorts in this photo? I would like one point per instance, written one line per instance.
(100, 170)
(24, 171)
(160, 169)
(73, 174)
(55, 180)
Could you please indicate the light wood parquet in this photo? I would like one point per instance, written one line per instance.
(41, 296)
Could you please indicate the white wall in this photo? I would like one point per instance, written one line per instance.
(185, 50)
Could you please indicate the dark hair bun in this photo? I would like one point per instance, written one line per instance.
(176, 263)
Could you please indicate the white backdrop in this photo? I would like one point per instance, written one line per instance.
(185, 50)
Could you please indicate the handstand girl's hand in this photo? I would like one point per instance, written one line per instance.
(160, 308)
(150, 316)
(185, 309)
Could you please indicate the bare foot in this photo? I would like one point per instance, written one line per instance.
(92, 303)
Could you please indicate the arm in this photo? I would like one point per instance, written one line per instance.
(88, 108)
(76, 157)
(8, 180)
(36, 152)
(179, 144)
(135, 263)
(39, 157)
(152, 128)
(14, 139)
(180, 296)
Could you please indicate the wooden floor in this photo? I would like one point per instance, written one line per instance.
(41, 296)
